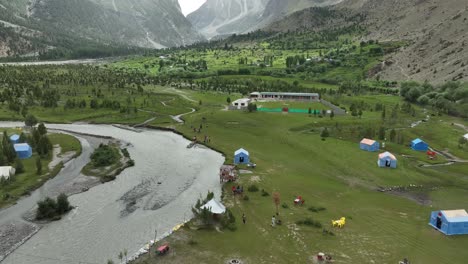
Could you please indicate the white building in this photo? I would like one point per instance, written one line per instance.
(275, 96)
(241, 103)
(6, 172)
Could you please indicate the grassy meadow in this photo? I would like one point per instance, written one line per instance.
(293, 160)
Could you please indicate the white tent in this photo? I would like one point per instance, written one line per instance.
(466, 136)
(214, 206)
(7, 171)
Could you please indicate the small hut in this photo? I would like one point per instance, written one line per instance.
(15, 138)
(450, 222)
(387, 160)
(227, 173)
(214, 207)
(241, 156)
(419, 145)
(23, 150)
(369, 145)
(6, 172)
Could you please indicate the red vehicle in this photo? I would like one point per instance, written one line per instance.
(162, 249)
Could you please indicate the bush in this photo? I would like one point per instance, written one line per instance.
(316, 209)
(253, 188)
(51, 209)
(192, 242)
(285, 205)
(131, 163)
(125, 153)
(19, 167)
(246, 198)
(309, 222)
(265, 193)
(104, 155)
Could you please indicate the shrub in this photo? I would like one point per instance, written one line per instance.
(51, 209)
(316, 209)
(104, 155)
(246, 198)
(309, 222)
(125, 153)
(285, 205)
(265, 193)
(253, 188)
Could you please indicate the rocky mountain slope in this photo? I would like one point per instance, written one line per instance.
(142, 23)
(225, 17)
(435, 33)
(222, 17)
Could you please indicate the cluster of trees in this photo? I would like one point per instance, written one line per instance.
(450, 97)
(105, 155)
(37, 139)
(52, 209)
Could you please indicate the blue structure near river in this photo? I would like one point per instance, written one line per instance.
(23, 151)
(241, 156)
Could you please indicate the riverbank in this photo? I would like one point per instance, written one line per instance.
(16, 232)
(155, 194)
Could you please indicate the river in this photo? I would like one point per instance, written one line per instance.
(156, 194)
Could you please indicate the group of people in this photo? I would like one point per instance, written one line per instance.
(237, 190)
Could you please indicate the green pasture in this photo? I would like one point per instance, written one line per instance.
(332, 173)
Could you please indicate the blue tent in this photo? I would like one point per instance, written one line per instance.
(14, 138)
(241, 156)
(387, 160)
(24, 151)
(419, 145)
(369, 145)
(452, 222)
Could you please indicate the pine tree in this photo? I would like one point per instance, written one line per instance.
(42, 129)
(19, 167)
(38, 166)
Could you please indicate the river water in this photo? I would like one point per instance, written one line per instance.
(156, 194)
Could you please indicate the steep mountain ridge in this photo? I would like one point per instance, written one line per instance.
(141, 23)
(221, 17)
(435, 33)
(226, 17)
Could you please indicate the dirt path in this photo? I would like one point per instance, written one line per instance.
(164, 102)
(461, 126)
(178, 119)
(181, 93)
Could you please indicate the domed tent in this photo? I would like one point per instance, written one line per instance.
(419, 145)
(387, 160)
(369, 145)
(14, 138)
(241, 156)
(450, 222)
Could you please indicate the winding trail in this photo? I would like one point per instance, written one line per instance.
(180, 93)
(178, 119)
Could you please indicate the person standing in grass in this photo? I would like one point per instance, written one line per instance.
(244, 218)
(273, 221)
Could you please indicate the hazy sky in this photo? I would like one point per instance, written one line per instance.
(188, 6)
